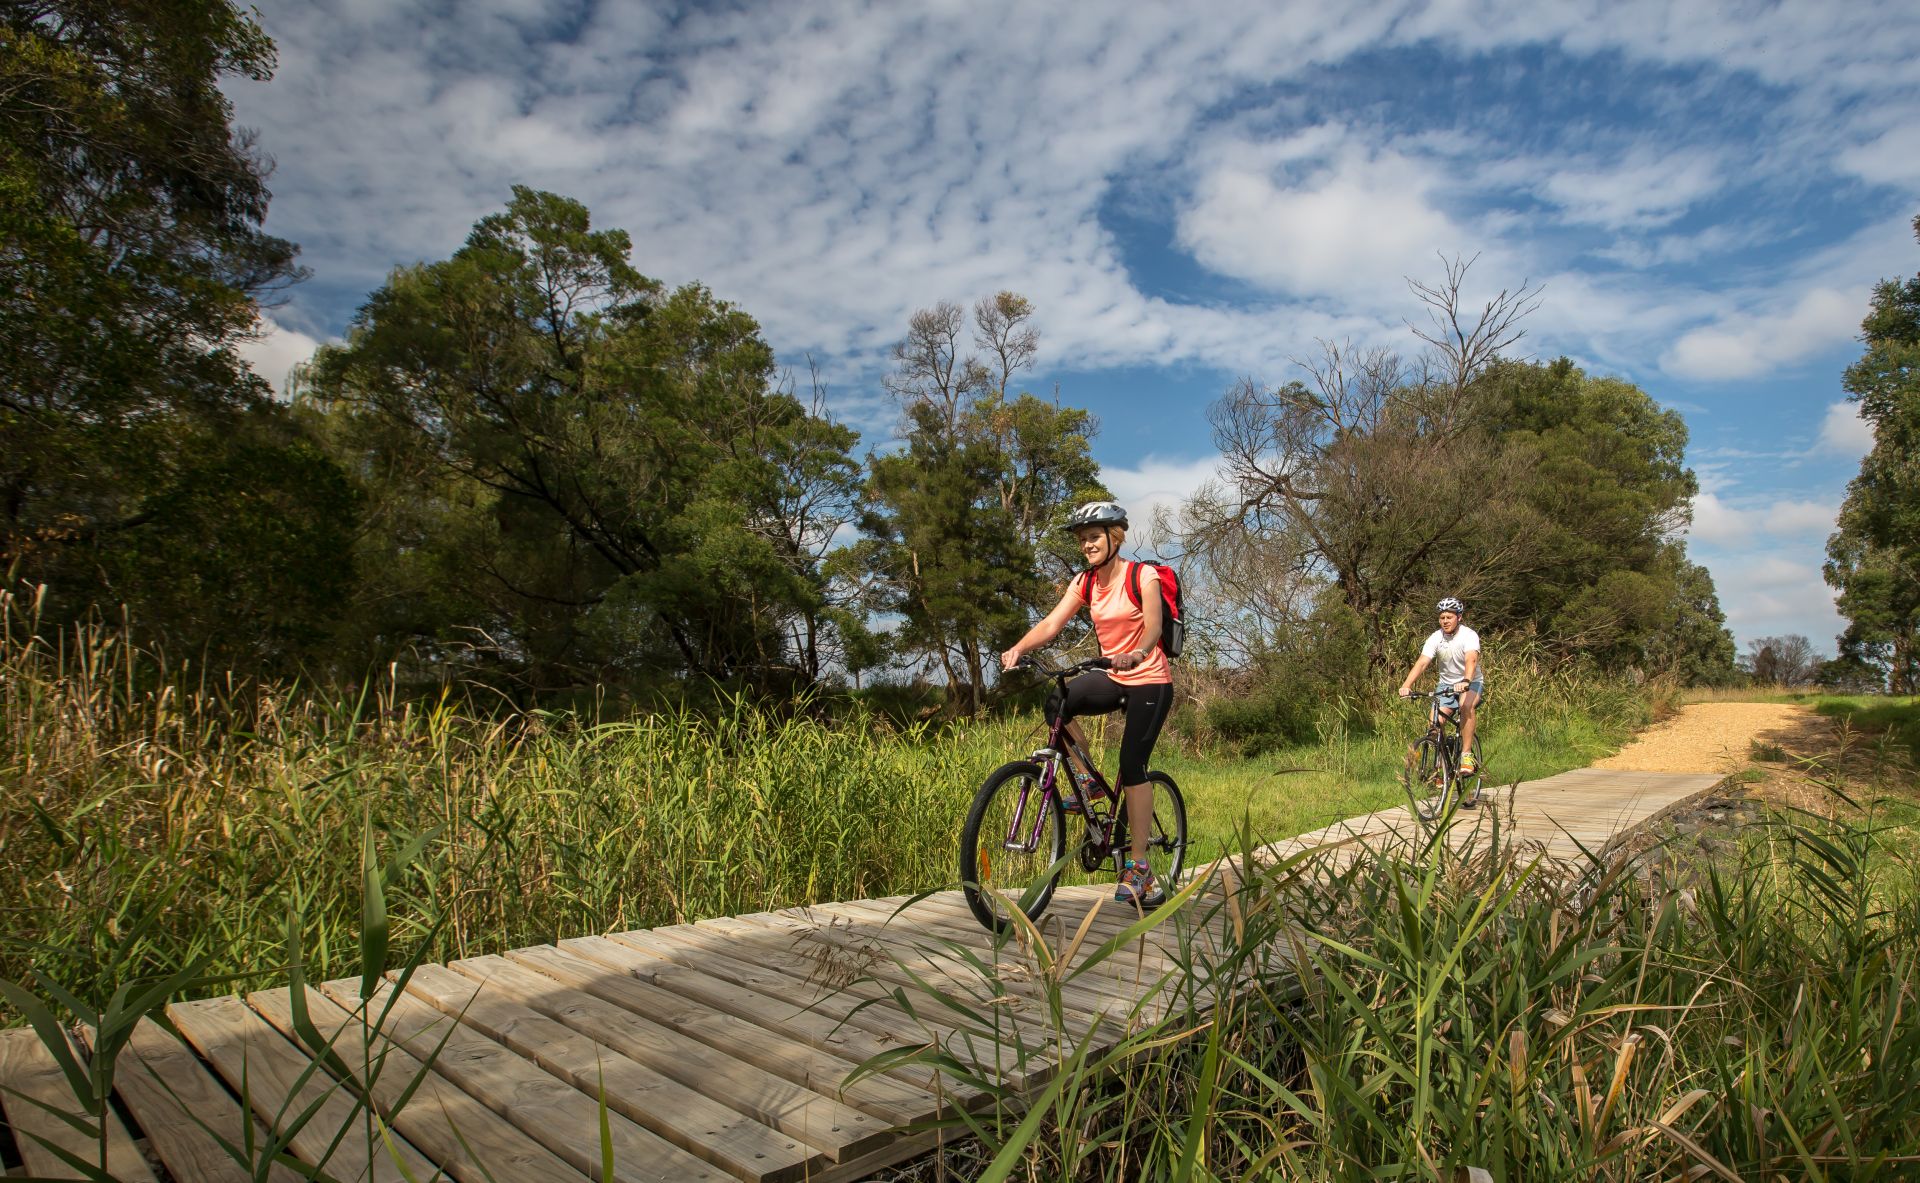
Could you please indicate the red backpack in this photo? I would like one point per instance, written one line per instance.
(1173, 616)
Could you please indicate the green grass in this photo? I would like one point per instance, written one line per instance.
(1895, 719)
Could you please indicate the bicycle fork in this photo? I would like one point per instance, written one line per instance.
(1050, 764)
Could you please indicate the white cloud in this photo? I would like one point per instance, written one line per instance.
(1157, 483)
(1844, 433)
(275, 352)
(1773, 595)
(1647, 188)
(1354, 224)
(1742, 346)
(1893, 158)
(1718, 521)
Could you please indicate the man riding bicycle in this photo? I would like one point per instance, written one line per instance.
(1139, 682)
(1461, 687)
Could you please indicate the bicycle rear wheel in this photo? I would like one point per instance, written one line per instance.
(1167, 843)
(1425, 780)
(1011, 846)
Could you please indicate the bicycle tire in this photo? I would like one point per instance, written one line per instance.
(1167, 844)
(1424, 772)
(995, 886)
(1468, 786)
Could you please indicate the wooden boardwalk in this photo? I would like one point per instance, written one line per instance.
(721, 1048)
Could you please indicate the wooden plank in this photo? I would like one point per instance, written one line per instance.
(1145, 968)
(779, 974)
(465, 1137)
(738, 1039)
(1020, 1050)
(798, 955)
(816, 1120)
(273, 1076)
(661, 1125)
(1088, 992)
(181, 1106)
(794, 1019)
(30, 1077)
(1132, 970)
(769, 932)
(936, 957)
(940, 966)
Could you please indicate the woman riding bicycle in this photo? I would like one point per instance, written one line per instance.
(1140, 682)
(1461, 685)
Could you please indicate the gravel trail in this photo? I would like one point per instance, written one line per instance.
(1720, 737)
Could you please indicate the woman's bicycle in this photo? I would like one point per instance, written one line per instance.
(1013, 846)
(1435, 786)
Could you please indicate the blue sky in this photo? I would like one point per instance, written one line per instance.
(1188, 194)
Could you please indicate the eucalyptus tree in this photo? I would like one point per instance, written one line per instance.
(141, 462)
(1369, 473)
(574, 473)
(1552, 501)
(1873, 559)
(960, 517)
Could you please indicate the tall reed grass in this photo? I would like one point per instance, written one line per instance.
(1443, 1016)
(138, 799)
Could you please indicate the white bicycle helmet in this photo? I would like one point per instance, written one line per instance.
(1096, 513)
(1451, 604)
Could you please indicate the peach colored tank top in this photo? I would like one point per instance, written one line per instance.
(1121, 627)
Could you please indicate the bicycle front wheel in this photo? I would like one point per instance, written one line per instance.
(1468, 784)
(1011, 846)
(1425, 779)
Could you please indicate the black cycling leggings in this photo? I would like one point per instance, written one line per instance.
(1094, 693)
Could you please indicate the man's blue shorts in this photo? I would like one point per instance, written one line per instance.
(1447, 700)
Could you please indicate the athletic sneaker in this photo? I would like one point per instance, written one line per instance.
(1137, 884)
(1468, 765)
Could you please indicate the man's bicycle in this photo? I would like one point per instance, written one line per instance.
(1014, 842)
(1435, 786)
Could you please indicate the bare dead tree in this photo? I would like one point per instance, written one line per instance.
(928, 367)
(1365, 474)
(1465, 349)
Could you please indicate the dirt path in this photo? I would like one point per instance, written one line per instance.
(1721, 737)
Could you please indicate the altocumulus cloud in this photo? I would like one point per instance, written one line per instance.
(833, 165)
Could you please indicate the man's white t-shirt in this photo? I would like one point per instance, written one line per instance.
(1450, 653)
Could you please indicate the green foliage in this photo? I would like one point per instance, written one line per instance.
(140, 461)
(955, 523)
(598, 477)
(1550, 500)
(1441, 1013)
(1873, 559)
(1894, 721)
(1599, 574)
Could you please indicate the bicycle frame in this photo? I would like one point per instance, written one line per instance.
(1099, 806)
